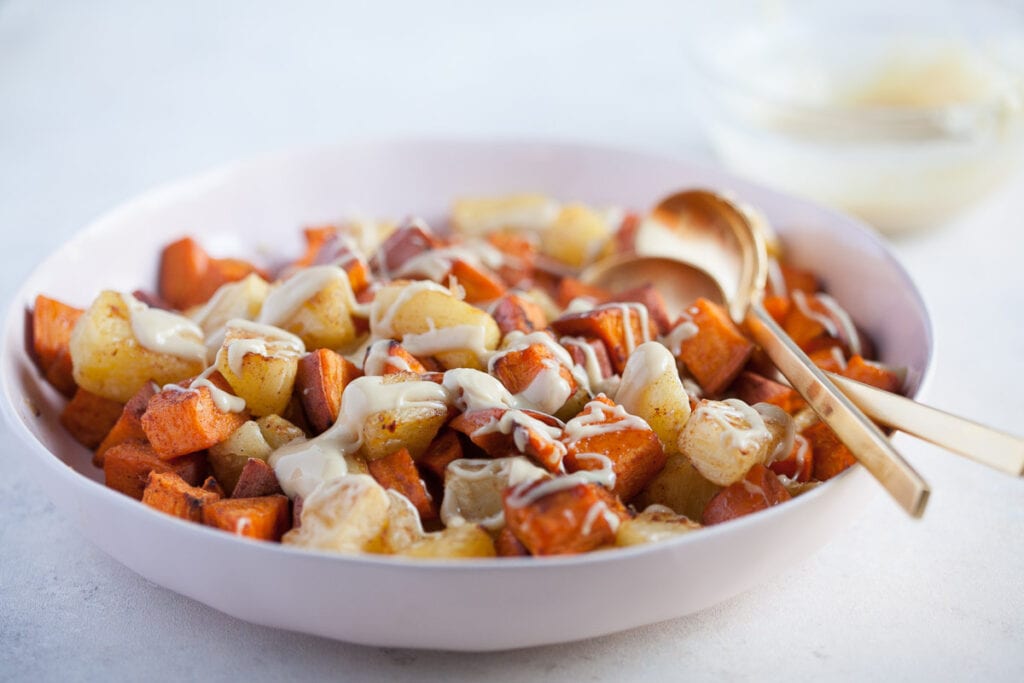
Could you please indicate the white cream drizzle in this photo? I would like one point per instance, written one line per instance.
(601, 418)
(473, 489)
(686, 329)
(646, 364)
(378, 359)
(285, 300)
(591, 368)
(742, 427)
(165, 332)
(225, 402)
(301, 465)
(382, 318)
(849, 330)
(441, 339)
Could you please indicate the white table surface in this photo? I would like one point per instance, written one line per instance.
(101, 100)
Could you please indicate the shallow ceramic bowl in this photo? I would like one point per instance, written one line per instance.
(257, 208)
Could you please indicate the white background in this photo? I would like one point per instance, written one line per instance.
(101, 100)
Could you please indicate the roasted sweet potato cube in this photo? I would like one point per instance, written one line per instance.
(777, 307)
(752, 388)
(256, 480)
(651, 298)
(213, 486)
(322, 377)
(316, 237)
(389, 357)
(716, 354)
(264, 518)
(625, 236)
(604, 429)
(89, 417)
(520, 254)
(126, 467)
(758, 490)
(570, 288)
(129, 425)
(403, 244)
(507, 545)
(178, 421)
(518, 368)
(183, 266)
(873, 373)
(480, 284)
(830, 455)
(622, 327)
(513, 312)
(505, 433)
(50, 334)
(168, 492)
(398, 471)
(224, 270)
(445, 448)
(569, 520)
(831, 359)
(798, 463)
(799, 279)
(587, 353)
(338, 250)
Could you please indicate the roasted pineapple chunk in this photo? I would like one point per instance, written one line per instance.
(680, 487)
(110, 360)
(346, 515)
(242, 299)
(651, 389)
(463, 541)
(577, 236)
(655, 523)
(260, 362)
(430, 321)
(482, 215)
(229, 456)
(724, 439)
(316, 305)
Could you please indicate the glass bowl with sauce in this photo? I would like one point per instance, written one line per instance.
(902, 114)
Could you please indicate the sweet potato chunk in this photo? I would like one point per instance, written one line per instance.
(322, 377)
(129, 425)
(402, 245)
(398, 471)
(752, 388)
(633, 449)
(89, 417)
(480, 285)
(389, 357)
(505, 433)
(507, 545)
(569, 520)
(126, 467)
(520, 254)
(570, 288)
(622, 327)
(264, 518)
(256, 480)
(337, 250)
(798, 463)
(177, 422)
(445, 448)
(316, 237)
(830, 455)
(518, 368)
(168, 492)
(759, 489)
(716, 354)
(585, 352)
(50, 334)
(651, 298)
(189, 276)
(872, 373)
(513, 312)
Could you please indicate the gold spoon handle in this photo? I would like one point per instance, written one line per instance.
(998, 450)
(853, 428)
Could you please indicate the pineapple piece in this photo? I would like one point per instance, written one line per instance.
(404, 525)
(278, 431)
(577, 236)
(483, 215)
(467, 540)
(430, 321)
(260, 363)
(473, 489)
(680, 487)
(315, 304)
(229, 456)
(348, 514)
(241, 299)
(651, 389)
(655, 523)
(724, 439)
(119, 344)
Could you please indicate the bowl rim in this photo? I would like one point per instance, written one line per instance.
(13, 354)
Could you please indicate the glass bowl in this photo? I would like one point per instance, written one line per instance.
(901, 113)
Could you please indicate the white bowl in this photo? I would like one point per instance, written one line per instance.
(249, 208)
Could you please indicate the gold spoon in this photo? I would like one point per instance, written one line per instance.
(706, 229)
